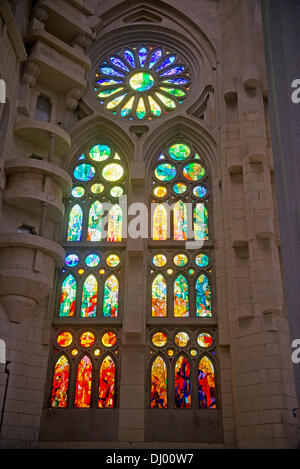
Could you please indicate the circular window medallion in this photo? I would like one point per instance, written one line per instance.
(64, 339)
(87, 339)
(204, 340)
(159, 260)
(159, 339)
(182, 339)
(141, 81)
(109, 339)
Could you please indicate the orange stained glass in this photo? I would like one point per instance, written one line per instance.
(64, 339)
(107, 383)
(206, 384)
(114, 232)
(159, 384)
(87, 339)
(60, 383)
(83, 383)
(160, 224)
(109, 339)
(180, 221)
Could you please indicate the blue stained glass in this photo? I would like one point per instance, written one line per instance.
(71, 260)
(173, 71)
(92, 260)
(82, 157)
(155, 57)
(106, 82)
(111, 71)
(177, 81)
(118, 62)
(84, 172)
(129, 57)
(168, 61)
(142, 56)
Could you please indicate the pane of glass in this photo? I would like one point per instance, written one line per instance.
(206, 384)
(180, 221)
(159, 297)
(68, 297)
(111, 296)
(95, 219)
(181, 298)
(89, 297)
(203, 297)
(114, 232)
(160, 223)
(107, 383)
(159, 385)
(182, 384)
(83, 383)
(60, 383)
(75, 224)
(200, 222)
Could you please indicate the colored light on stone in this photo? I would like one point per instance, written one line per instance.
(141, 81)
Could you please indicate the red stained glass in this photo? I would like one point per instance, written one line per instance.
(206, 384)
(109, 339)
(159, 396)
(87, 339)
(60, 383)
(107, 383)
(182, 384)
(83, 383)
(64, 339)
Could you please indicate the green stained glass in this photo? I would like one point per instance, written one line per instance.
(154, 107)
(116, 191)
(202, 260)
(106, 93)
(97, 188)
(179, 188)
(95, 219)
(180, 221)
(141, 110)
(181, 298)
(165, 172)
(203, 297)
(168, 102)
(200, 222)
(193, 172)
(84, 172)
(113, 172)
(100, 152)
(141, 81)
(68, 297)
(92, 260)
(114, 103)
(159, 297)
(180, 260)
(173, 91)
(75, 224)
(89, 297)
(127, 107)
(78, 192)
(179, 152)
(110, 299)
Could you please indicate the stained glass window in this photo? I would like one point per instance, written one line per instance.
(181, 297)
(94, 226)
(111, 295)
(107, 383)
(182, 383)
(115, 224)
(203, 297)
(159, 382)
(75, 223)
(141, 82)
(89, 297)
(68, 297)
(83, 383)
(176, 173)
(159, 297)
(206, 384)
(60, 383)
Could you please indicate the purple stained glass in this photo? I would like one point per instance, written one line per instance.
(111, 71)
(119, 63)
(142, 56)
(71, 260)
(173, 71)
(128, 54)
(169, 60)
(157, 54)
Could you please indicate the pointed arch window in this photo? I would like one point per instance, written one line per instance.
(83, 383)
(159, 297)
(182, 383)
(89, 297)
(206, 384)
(107, 383)
(60, 382)
(181, 297)
(68, 296)
(159, 384)
(75, 223)
(111, 297)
